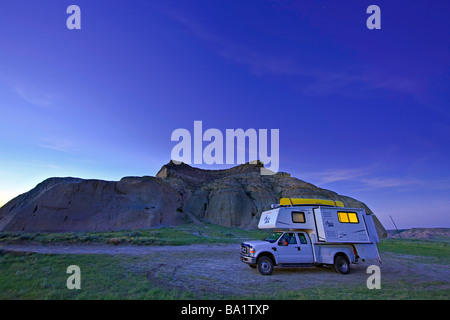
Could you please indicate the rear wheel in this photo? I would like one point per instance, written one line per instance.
(265, 266)
(341, 265)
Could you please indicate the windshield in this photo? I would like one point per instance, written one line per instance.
(273, 237)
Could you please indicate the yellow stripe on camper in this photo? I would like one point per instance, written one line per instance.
(297, 201)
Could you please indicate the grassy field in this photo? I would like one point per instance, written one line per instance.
(424, 248)
(181, 235)
(43, 276)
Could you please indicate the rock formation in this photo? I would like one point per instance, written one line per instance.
(70, 204)
(232, 197)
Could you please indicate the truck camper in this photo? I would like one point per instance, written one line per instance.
(312, 232)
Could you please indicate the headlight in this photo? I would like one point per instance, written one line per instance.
(252, 251)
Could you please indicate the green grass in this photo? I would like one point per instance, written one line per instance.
(43, 276)
(425, 248)
(180, 235)
(390, 291)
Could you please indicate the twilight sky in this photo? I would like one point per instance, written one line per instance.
(361, 112)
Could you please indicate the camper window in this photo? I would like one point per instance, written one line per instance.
(298, 217)
(348, 217)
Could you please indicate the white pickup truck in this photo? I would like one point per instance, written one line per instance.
(311, 232)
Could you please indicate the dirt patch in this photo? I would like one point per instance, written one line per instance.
(220, 272)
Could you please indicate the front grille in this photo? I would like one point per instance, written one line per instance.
(244, 249)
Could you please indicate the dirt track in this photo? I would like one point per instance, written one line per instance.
(217, 270)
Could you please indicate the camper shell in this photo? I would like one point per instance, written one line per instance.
(319, 231)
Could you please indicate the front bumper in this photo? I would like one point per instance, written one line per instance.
(248, 260)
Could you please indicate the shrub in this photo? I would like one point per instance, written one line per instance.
(115, 241)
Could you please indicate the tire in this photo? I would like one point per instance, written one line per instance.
(341, 265)
(265, 266)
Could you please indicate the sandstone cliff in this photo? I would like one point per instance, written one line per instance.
(179, 193)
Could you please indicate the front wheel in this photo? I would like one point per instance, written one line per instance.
(265, 266)
(341, 265)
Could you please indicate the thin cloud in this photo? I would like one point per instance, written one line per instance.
(57, 145)
(366, 179)
(35, 96)
(53, 147)
(330, 176)
(311, 80)
(383, 183)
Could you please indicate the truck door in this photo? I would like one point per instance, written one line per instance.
(305, 248)
(298, 249)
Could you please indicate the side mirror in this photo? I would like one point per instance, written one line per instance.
(283, 243)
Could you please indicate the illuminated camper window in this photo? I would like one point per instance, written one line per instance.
(348, 217)
(298, 217)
